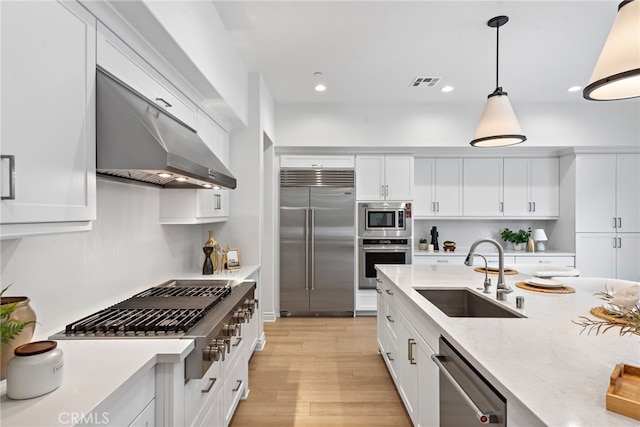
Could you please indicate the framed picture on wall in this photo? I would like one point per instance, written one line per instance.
(233, 259)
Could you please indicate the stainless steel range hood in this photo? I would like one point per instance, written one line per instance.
(139, 141)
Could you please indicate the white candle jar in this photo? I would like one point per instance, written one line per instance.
(36, 369)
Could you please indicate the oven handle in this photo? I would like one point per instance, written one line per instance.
(484, 418)
(386, 248)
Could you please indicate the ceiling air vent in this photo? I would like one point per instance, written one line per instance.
(425, 81)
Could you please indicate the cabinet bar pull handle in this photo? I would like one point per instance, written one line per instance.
(534, 206)
(614, 243)
(166, 104)
(529, 206)
(237, 342)
(619, 222)
(378, 290)
(390, 319)
(501, 207)
(382, 191)
(12, 176)
(442, 260)
(389, 356)
(615, 223)
(433, 206)
(378, 280)
(484, 418)
(238, 386)
(619, 242)
(212, 381)
(411, 343)
(437, 206)
(388, 291)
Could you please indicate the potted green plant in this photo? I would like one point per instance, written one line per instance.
(423, 244)
(517, 238)
(17, 324)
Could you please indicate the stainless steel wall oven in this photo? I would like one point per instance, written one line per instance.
(380, 251)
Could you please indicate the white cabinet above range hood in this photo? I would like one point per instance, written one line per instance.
(137, 140)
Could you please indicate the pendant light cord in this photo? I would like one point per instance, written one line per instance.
(497, 54)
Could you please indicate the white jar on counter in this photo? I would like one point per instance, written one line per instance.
(35, 370)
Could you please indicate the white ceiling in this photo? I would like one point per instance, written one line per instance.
(370, 51)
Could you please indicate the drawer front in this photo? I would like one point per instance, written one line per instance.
(198, 393)
(132, 402)
(234, 386)
(565, 261)
(391, 319)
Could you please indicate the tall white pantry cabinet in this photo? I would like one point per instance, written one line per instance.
(608, 215)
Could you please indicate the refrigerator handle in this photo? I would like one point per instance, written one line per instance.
(313, 245)
(306, 249)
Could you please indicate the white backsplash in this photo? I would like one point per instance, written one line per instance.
(465, 232)
(68, 276)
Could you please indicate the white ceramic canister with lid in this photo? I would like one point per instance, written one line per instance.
(35, 370)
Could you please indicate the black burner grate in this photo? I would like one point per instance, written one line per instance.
(157, 311)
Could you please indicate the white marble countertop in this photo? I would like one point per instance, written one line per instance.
(542, 360)
(95, 370)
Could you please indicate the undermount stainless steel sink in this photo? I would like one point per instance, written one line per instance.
(461, 302)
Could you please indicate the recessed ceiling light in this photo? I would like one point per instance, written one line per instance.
(574, 88)
(447, 89)
(165, 175)
(207, 185)
(181, 179)
(320, 87)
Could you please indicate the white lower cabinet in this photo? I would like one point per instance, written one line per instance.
(407, 355)
(234, 388)
(562, 261)
(134, 406)
(213, 417)
(608, 255)
(147, 417)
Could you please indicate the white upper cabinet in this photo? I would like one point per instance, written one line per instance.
(531, 187)
(121, 61)
(48, 118)
(437, 187)
(482, 194)
(628, 193)
(193, 206)
(608, 193)
(317, 162)
(384, 178)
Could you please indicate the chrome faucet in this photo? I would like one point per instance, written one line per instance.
(502, 289)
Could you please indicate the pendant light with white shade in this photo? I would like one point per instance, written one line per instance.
(617, 72)
(498, 125)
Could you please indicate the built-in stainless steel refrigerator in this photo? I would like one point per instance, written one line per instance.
(317, 233)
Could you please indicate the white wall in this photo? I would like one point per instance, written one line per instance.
(449, 125)
(69, 276)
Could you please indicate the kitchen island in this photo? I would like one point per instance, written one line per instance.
(549, 373)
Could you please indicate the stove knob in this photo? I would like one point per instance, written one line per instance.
(213, 352)
(251, 303)
(231, 330)
(222, 345)
(239, 316)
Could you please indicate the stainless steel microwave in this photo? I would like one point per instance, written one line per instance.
(384, 219)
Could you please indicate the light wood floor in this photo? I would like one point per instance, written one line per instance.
(320, 372)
